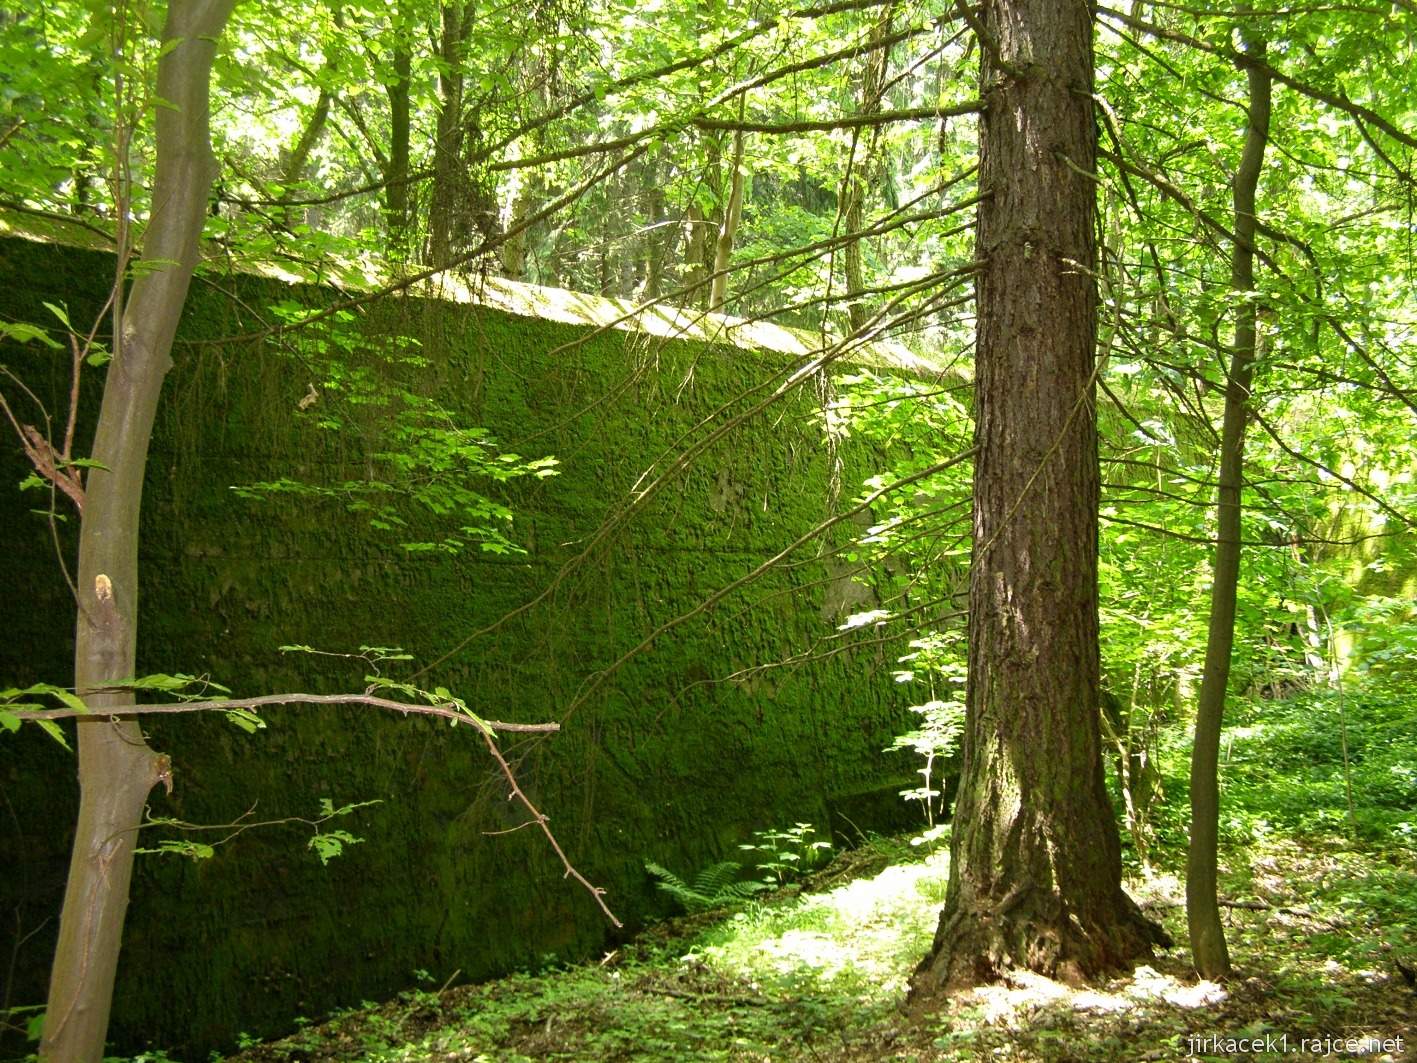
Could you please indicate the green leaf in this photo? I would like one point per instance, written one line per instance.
(51, 728)
(329, 845)
(247, 720)
(176, 684)
(61, 314)
(63, 695)
(70, 699)
(142, 267)
(382, 683)
(21, 332)
(328, 810)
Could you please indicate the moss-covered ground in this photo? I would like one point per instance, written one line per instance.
(1320, 933)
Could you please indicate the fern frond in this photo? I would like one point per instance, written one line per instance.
(668, 880)
(742, 890)
(712, 879)
(714, 886)
(672, 884)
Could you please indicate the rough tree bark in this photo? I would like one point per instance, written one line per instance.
(696, 243)
(1208, 949)
(1035, 877)
(701, 227)
(117, 769)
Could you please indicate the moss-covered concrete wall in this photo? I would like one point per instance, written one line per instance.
(667, 761)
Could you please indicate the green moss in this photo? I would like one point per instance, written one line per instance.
(665, 761)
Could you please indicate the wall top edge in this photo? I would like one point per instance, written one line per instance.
(660, 320)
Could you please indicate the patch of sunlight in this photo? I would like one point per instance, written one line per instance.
(1024, 993)
(866, 935)
(1244, 733)
(1147, 983)
(1158, 888)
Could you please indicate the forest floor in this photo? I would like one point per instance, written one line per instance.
(1323, 936)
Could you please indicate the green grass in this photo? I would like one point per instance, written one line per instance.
(862, 938)
(821, 975)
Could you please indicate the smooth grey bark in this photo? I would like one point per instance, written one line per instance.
(1208, 949)
(451, 199)
(397, 202)
(728, 231)
(853, 190)
(1035, 873)
(657, 241)
(298, 157)
(117, 769)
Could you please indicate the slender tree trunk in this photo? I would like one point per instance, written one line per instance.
(853, 217)
(298, 157)
(451, 198)
(1035, 875)
(526, 191)
(696, 242)
(700, 226)
(853, 190)
(659, 237)
(1208, 949)
(728, 231)
(397, 214)
(513, 251)
(95, 120)
(117, 769)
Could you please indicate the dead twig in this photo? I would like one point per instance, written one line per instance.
(540, 819)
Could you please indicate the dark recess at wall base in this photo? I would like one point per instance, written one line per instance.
(666, 762)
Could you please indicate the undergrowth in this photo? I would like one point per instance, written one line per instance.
(821, 975)
(1321, 915)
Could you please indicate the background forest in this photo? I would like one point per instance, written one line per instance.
(1248, 234)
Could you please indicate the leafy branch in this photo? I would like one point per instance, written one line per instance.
(326, 844)
(439, 703)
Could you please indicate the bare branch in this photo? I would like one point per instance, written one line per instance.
(446, 710)
(846, 121)
(540, 820)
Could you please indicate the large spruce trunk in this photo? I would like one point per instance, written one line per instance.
(1035, 879)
